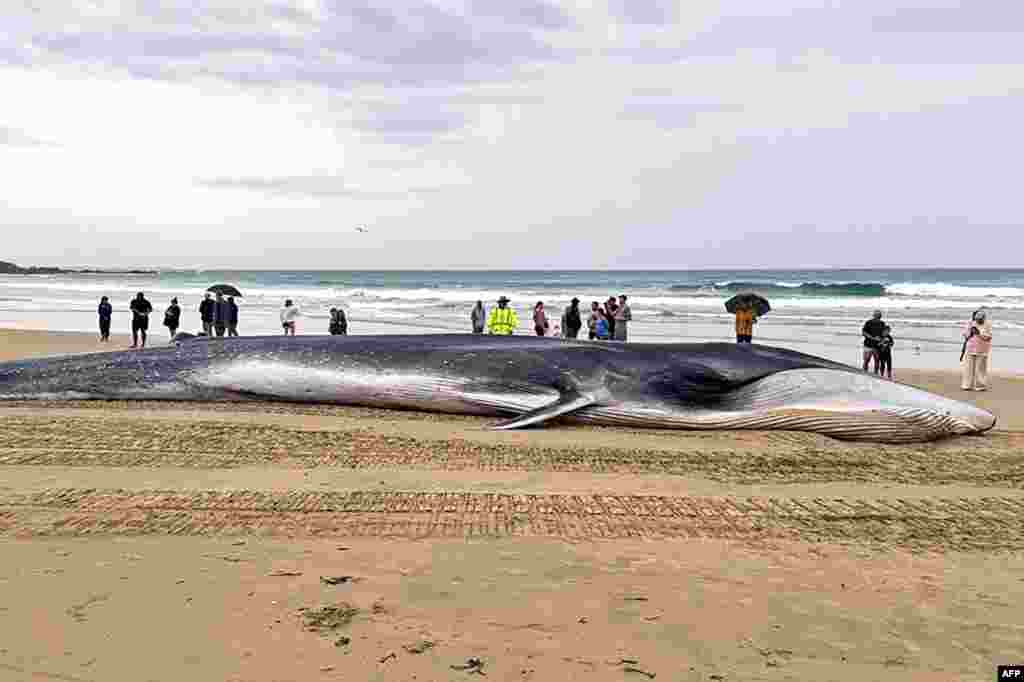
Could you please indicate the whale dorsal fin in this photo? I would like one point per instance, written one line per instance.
(568, 401)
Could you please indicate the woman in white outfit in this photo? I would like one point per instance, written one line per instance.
(977, 347)
(289, 313)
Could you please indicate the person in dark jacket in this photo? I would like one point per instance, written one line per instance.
(571, 320)
(206, 314)
(141, 308)
(478, 317)
(232, 317)
(339, 323)
(105, 311)
(172, 317)
(221, 314)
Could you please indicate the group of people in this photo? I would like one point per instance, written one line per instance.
(607, 322)
(878, 343)
(219, 316)
(290, 313)
(977, 335)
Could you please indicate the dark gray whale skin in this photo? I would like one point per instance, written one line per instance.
(527, 380)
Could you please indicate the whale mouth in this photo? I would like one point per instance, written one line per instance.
(844, 405)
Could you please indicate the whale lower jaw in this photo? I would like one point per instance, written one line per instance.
(877, 426)
(844, 405)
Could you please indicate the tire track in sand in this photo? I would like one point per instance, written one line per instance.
(934, 524)
(993, 461)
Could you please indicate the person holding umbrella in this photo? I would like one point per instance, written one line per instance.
(221, 314)
(745, 319)
(747, 308)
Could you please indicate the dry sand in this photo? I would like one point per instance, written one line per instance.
(146, 541)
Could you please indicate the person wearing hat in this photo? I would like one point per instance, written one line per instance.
(571, 320)
(503, 320)
(172, 317)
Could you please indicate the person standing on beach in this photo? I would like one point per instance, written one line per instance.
(232, 317)
(595, 315)
(603, 327)
(221, 312)
(885, 353)
(872, 333)
(206, 314)
(623, 315)
(571, 320)
(172, 317)
(609, 315)
(745, 319)
(503, 320)
(141, 308)
(106, 311)
(289, 314)
(478, 317)
(339, 324)
(977, 347)
(540, 319)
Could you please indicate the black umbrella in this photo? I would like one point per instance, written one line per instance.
(759, 303)
(225, 289)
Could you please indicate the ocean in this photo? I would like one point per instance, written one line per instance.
(817, 311)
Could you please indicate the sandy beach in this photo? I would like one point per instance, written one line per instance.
(252, 542)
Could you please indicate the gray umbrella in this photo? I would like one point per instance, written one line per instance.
(225, 289)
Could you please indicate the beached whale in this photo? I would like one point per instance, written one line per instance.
(527, 380)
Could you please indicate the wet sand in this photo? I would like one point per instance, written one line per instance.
(169, 541)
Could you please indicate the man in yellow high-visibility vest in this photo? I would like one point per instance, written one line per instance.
(503, 319)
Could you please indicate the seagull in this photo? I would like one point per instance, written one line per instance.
(361, 229)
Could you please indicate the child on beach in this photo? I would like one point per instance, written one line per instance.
(885, 353)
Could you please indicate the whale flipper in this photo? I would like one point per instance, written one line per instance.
(568, 401)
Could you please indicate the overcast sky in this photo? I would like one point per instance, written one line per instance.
(512, 134)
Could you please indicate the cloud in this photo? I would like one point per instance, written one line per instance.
(569, 134)
(955, 17)
(671, 111)
(311, 186)
(654, 12)
(407, 124)
(530, 13)
(343, 44)
(13, 137)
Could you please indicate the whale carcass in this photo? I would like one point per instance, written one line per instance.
(525, 380)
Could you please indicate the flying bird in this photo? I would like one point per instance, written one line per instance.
(361, 229)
